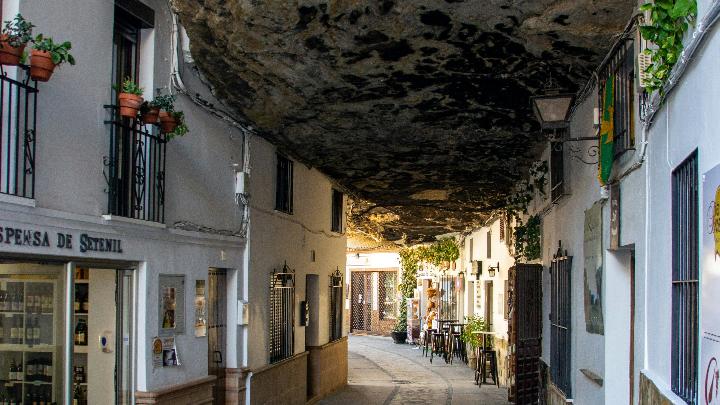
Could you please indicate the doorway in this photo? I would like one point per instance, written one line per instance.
(361, 301)
(489, 304)
(217, 330)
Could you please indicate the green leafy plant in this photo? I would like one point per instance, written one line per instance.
(401, 324)
(527, 239)
(524, 191)
(181, 128)
(18, 31)
(474, 323)
(130, 87)
(165, 102)
(59, 53)
(669, 20)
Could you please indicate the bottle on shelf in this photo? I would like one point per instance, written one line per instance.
(15, 302)
(14, 330)
(3, 297)
(81, 338)
(36, 331)
(85, 304)
(2, 331)
(12, 371)
(76, 305)
(29, 332)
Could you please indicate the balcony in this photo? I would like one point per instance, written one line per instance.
(135, 169)
(18, 116)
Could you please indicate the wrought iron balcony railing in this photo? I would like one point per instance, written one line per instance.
(18, 115)
(135, 170)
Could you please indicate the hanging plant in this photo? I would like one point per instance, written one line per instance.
(524, 190)
(527, 239)
(669, 20)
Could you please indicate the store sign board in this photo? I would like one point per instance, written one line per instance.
(38, 238)
(710, 268)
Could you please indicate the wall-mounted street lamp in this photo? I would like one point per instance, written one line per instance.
(476, 269)
(492, 270)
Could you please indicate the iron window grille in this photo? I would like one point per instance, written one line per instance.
(685, 272)
(18, 116)
(387, 281)
(284, 185)
(489, 244)
(135, 171)
(336, 305)
(621, 67)
(448, 298)
(560, 311)
(557, 171)
(337, 211)
(282, 313)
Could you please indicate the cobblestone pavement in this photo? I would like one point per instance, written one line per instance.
(381, 372)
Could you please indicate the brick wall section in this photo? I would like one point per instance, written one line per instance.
(649, 393)
(198, 392)
(282, 383)
(327, 368)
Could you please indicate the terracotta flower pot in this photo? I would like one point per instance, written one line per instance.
(129, 104)
(167, 122)
(41, 65)
(151, 117)
(10, 55)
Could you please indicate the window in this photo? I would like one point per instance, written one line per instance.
(388, 288)
(489, 244)
(560, 322)
(282, 312)
(448, 298)
(557, 175)
(621, 67)
(470, 248)
(337, 211)
(284, 185)
(685, 219)
(136, 160)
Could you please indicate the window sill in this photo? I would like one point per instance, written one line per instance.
(118, 219)
(11, 199)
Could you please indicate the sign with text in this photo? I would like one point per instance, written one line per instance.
(710, 268)
(38, 238)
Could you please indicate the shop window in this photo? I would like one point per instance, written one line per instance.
(284, 185)
(135, 163)
(282, 312)
(557, 171)
(685, 273)
(388, 293)
(337, 211)
(560, 333)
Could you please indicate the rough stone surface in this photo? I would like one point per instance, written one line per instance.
(421, 108)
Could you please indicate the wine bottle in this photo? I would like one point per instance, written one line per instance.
(36, 331)
(14, 332)
(16, 302)
(12, 371)
(76, 305)
(29, 332)
(81, 333)
(86, 304)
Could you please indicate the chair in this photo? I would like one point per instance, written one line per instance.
(489, 358)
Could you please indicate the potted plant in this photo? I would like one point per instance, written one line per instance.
(399, 332)
(45, 55)
(472, 340)
(180, 127)
(130, 98)
(166, 104)
(15, 35)
(149, 112)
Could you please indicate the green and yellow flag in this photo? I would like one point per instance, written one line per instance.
(606, 132)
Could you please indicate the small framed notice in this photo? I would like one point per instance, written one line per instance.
(171, 305)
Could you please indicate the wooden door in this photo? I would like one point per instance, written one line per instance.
(525, 324)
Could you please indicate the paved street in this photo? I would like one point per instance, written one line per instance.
(381, 372)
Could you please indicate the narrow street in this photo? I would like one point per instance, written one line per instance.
(381, 372)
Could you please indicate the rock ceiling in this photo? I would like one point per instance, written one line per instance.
(419, 109)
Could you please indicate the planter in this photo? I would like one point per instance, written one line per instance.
(10, 55)
(399, 337)
(41, 65)
(168, 123)
(151, 117)
(129, 104)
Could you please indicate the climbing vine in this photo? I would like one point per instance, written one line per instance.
(669, 20)
(527, 239)
(524, 191)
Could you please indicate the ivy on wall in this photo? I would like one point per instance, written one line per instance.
(669, 20)
(527, 239)
(525, 190)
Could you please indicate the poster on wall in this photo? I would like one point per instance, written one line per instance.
(710, 268)
(593, 269)
(171, 304)
(164, 352)
(200, 309)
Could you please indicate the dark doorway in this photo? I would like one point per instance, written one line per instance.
(525, 330)
(361, 301)
(217, 330)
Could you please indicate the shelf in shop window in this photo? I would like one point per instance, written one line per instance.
(81, 349)
(80, 313)
(12, 312)
(37, 383)
(10, 347)
(82, 281)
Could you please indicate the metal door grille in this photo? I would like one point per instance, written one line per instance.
(685, 220)
(336, 309)
(448, 298)
(560, 321)
(282, 311)
(525, 329)
(361, 301)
